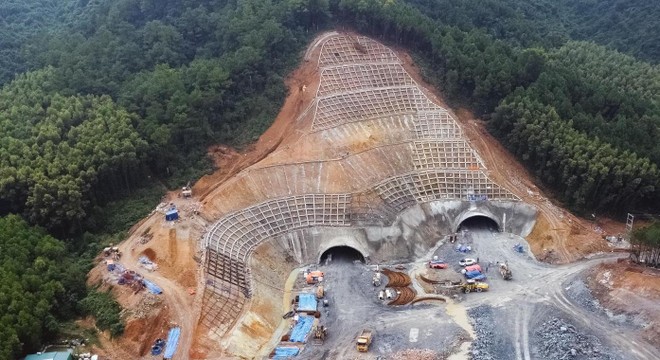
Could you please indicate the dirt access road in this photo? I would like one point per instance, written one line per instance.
(177, 300)
(177, 273)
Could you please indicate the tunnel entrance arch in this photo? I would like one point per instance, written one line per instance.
(478, 220)
(341, 253)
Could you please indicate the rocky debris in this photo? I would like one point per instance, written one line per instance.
(558, 339)
(482, 347)
(579, 293)
(416, 354)
(146, 305)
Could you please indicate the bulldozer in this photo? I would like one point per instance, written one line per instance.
(320, 332)
(505, 271)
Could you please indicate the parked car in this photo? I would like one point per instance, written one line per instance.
(467, 262)
(437, 264)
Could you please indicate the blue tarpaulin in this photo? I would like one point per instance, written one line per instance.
(282, 352)
(172, 342)
(472, 274)
(302, 329)
(153, 288)
(171, 215)
(306, 302)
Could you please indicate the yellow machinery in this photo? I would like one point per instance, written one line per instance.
(364, 340)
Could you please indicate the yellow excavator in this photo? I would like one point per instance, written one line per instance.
(319, 332)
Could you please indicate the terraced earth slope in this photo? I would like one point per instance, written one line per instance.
(370, 146)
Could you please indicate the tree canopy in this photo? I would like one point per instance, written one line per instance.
(100, 96)
(56, 149)
(39, 284)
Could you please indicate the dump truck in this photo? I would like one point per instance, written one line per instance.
(319, 334)
(364, 340)
(505, 271)
(471, 286)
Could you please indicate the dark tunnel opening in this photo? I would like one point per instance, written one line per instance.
(479, 222)
(344, 254)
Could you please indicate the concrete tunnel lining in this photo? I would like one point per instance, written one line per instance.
(477, 213)
(346, 252)
(344, 241)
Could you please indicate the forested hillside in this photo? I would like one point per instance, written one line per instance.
(629, 26)
(103, 100)
(39, 285)
(20, 22)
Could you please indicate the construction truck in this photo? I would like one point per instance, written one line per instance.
(473, 286)
(505, 271)
(319, 334)
(364, 340)
(314, 277)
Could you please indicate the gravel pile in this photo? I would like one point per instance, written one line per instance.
(416, 354)
(484, 347)
(558, 339)
(578, 291)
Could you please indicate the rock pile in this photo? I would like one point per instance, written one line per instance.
(416, 354)
(484, 327)
(561, 340)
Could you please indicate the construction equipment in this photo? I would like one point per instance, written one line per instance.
(472, 285)
(319, 332)
(505, 271)
(364, 340)
(186, 191)
(314, 277)
(376, 279)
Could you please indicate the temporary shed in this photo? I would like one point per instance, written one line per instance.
(172, 214)
(59, 355)
(306, 302)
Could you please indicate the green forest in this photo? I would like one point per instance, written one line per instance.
(105, 103)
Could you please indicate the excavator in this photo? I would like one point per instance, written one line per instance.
(319, 332)
(505, 271)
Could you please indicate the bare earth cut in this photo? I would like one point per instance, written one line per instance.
(365, 156)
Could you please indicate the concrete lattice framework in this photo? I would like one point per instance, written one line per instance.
(363, 84)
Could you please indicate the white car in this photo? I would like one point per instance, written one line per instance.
(467, 262)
